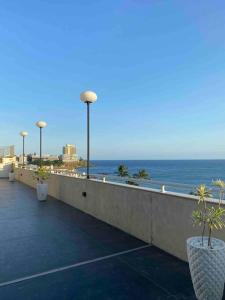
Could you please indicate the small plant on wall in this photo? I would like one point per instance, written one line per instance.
(41, 175)
(220, 184)
(206, 254)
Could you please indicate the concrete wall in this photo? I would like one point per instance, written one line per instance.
(163, 219)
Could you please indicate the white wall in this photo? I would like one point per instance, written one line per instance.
(163, 219)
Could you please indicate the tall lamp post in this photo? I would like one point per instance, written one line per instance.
(41, 124)
(88, 97)
(23, 134)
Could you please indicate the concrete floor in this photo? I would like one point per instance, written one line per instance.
(50, 250)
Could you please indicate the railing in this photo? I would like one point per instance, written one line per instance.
(160, 186)
(57, 171)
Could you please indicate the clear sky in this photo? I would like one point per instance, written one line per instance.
(158, 67)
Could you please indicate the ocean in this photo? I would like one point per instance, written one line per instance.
(193, 172)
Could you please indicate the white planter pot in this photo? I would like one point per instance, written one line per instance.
(11, 176)
(42, 191)
(207, 267)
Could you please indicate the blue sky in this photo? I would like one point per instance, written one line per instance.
(157, 66)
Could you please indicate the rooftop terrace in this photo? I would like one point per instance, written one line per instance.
(50, 250)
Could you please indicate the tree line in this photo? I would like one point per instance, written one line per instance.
(141, 174)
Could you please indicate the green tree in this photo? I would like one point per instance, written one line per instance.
(36, 162)
(142, 174)
(48, 163)
(29, 158)
(122, 171)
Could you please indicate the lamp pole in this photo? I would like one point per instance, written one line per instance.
(40, 146)
(88, 97)
(23, 134)
(41, 124)
(88, 139)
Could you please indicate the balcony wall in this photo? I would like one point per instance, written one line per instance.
(163, 219)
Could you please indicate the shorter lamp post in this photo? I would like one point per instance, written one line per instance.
(41, 124)
(23, 134)
(88, 97)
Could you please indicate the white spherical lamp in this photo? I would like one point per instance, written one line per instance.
(41, 124)
(88, 97)
(23, 133)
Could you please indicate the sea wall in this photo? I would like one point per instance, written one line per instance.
(163, 219)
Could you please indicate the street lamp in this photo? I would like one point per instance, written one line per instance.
(88, 97)
(41, 124)
(23, 134)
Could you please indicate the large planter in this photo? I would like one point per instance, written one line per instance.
(11, 176)
(207, 267)
(42, 191)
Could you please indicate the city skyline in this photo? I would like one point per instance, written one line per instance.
(157, 67)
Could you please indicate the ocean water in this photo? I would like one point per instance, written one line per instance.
(193, 172)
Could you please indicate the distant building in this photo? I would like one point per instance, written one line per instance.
(7, 151)
(21, 159)
(69, 153)
(7, 158)
(69, 149)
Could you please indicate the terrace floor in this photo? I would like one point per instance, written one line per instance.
(50, 250)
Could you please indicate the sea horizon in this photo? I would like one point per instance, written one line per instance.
(153, 159)
(185, 171)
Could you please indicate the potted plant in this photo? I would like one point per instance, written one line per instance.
(41, 175)
(206, 255)
(12, 173)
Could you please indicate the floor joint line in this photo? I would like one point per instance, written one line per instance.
(56, 270)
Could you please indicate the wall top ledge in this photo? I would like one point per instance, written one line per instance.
(156, 191)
